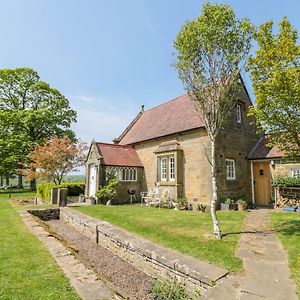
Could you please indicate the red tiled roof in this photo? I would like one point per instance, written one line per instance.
(262, 151)
(175, 116)
(117, 155)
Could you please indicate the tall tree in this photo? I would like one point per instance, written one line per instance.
(55, 158)
(275, 74)
(31, 110)
(211, 50)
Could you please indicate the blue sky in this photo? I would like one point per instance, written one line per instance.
(110, 57)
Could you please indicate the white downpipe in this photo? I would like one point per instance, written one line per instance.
(252, 183)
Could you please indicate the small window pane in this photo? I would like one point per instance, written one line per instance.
(296, 173)
(172, 168)
(128, 174)
(163, 165)
(238, 114)
(230, 169)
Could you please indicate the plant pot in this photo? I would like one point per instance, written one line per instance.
(91, 201)
(224, 206)
(176, 205)
(81, 198)
(242, 206)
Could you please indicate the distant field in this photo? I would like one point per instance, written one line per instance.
(68, 178)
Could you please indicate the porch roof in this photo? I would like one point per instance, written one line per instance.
(117, 155)
(262, 151)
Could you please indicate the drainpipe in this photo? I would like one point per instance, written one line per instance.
(252, 184)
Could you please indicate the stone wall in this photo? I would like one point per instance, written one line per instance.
(236, 141)
(46, 214)
(123, 186)
(283, 167)
(192, 165)
(93, 158)
(155, 260)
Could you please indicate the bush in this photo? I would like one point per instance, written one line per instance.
(108, 192)
(230, 201)
(169, 289)
(43, 190)
(285, 181)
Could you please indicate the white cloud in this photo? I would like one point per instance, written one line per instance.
(101, 118)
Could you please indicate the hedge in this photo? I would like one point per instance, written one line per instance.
(43, 190)
(284, 181)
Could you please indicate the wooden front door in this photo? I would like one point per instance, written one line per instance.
(262, 183)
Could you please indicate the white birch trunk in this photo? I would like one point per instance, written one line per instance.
(217, 231)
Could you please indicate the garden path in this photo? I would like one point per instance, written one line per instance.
(266, 273)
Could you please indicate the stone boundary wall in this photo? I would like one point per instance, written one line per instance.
(46, 214)
(153, 259)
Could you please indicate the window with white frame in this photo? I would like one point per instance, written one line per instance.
(128, 174)
(230, 169)
(172, 168)
(167, 169)
(122, 173)
(163, 168)
(239, 113)
(296, 173)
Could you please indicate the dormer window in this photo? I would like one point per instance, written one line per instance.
(239, 113)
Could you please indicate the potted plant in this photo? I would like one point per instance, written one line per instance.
(229, 204)
(176, 205)
(108, 192)
(242, 204)
(91, 200)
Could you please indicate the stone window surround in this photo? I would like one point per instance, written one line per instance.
(167, 158)
(230, 169)
(239, 113)
(295, 172)
(120, 173)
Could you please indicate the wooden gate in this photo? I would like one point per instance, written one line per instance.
(262, 182)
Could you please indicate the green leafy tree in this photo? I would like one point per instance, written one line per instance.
(31, 111)
(275, 74)
(211, 50)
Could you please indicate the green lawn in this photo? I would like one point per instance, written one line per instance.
(187, 232)
(287, 226)
(27, 270)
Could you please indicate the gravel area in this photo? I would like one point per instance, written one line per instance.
(129, 281)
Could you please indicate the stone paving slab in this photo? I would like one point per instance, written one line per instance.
(266, 273)
(85, 281)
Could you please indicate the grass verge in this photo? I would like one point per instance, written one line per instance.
(27, 270)
(287, 226)
(189, 233)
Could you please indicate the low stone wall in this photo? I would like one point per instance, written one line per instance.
(46, 214)
(153, 259)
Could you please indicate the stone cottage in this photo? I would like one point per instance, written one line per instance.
(267, 163)
(168, 145)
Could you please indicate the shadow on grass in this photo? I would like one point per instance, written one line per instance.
(246, 231)
(15, 191)
(288, 228)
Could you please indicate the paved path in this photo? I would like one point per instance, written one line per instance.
(266, 274)
(85, 281)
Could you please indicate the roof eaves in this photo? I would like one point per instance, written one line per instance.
(255, 147)
(118, 139)
(161, 136)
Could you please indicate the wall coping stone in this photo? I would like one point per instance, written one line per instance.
(186, 265)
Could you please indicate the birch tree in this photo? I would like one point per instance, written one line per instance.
(211, 51)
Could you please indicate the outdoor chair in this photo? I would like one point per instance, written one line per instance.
(147, 197)
(165, 199)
